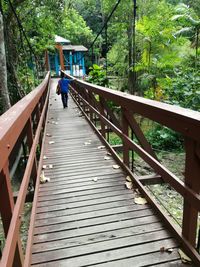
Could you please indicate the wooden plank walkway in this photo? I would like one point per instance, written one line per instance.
(84, 222)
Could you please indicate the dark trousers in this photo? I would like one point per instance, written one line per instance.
(64, 97)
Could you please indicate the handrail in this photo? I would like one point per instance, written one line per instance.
(92, 101)
(16, 125)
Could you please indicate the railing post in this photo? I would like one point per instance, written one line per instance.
(103, 129)
(6, 209)
(125, 128)
(192, 180)
(30, 142)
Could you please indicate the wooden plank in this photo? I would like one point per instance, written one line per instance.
(74, 184)
(102, 197)
(99, 246)
(68, 233)
(63, 217)
(72, 224)
(109, 255)
(97, 237)
(84, 206)
(155, 258)
(81, 193)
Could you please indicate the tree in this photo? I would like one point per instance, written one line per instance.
(191, 26)
(4, 95)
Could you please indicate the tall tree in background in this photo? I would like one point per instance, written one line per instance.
(4, 96)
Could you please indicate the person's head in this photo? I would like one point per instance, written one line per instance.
(62, 75)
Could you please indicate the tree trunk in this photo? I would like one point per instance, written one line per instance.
(4, 96)
(131, 57)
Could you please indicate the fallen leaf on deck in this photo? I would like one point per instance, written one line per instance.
(56, 122)
(184, 257)
(51, 142)
(101, 147)
(49, 135)
(116, 166)
(129, 185)
(45, 157)
(87, 143)
(43, 178)
(106, 157)
(169, 250)
(162, 249)
(95, 179)
(50, 166)
(140, 201)
(44, 166)
(128, 178)
(108, 153)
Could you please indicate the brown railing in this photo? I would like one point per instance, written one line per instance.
(22, 124)
(94, 102)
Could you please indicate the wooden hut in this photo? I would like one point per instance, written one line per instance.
(67, 57)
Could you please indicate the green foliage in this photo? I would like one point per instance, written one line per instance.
(163, 138)
(185, 89)
(97, 75)
(75, 29)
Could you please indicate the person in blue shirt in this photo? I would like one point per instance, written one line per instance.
(64, 89)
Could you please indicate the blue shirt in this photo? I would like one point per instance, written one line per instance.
(64, 85)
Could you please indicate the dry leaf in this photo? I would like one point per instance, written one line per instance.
(44, 179)
(44, 166)
(140, 200)
(129, 185)
(184, 257)
(108, 153)
(101, 147)
(169, 250)
(128, 178)
(116, 166)
(95, 179)
(51, 142)
(45, 157)
(56, 122)
(87, 143)
(50, 166)
(49, 135)
(106, 157)
(162, 249)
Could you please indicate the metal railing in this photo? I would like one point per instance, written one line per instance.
(94, 102)
(24, 122)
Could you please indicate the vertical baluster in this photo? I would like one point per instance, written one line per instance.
(125, 128)
(6, 209)
(102, 111)
(30, 138)
(192, 172)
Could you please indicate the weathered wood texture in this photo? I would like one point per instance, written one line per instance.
(85, 216)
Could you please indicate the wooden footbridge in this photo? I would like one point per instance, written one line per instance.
(82, 213)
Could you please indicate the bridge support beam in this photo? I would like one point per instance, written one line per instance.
(6, 210)
(192, 170)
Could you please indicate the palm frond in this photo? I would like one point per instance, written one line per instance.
(184, 31)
